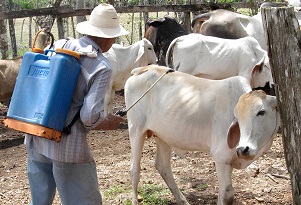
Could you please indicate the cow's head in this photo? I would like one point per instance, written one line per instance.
(161, 32)
(146, 54)
(256, 125)
(261, 76)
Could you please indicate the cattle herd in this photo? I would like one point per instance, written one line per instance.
(196, 92)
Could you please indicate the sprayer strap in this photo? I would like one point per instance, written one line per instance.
(67, 129)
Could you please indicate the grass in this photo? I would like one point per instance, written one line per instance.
(154, 195)
(202, 187)
(151, 194)
(113, 192)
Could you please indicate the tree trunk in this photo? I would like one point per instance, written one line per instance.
(141, 20)
(73, 28)
(3, 35)
(132, 30)
(3, 40)
(12, 35)
(60, 28)
(80, 4)
(284, 48)
(30, 32)
(22, 29)
(60, 22)
(67, 27)
(145, 18)
(187, 22)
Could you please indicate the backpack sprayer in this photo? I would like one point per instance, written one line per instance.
(43, 90)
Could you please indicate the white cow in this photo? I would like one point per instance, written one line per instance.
(9, 70)
(195, 114)
(218, 58)
(123, 60)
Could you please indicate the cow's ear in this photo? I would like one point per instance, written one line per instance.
(233, 136)
(141, 51)
(272, 100)
(258, 67)
(256, 71)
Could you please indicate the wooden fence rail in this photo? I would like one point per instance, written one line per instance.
(69, 11)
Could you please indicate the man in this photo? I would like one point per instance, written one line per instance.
(68, 165)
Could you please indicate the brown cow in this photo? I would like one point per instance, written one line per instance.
(9, 70)
(161, 32)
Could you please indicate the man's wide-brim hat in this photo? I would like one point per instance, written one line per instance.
(103, 22)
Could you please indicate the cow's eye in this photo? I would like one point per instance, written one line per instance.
(261, 112)
(149, 48)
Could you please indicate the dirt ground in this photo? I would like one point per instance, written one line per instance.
(266, 181)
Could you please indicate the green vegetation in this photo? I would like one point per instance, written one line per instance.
(202, 187)
(151, 194)
(29, 4)
(113, 192)
(154, 195)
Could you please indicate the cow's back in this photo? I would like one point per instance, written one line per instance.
(211, 57)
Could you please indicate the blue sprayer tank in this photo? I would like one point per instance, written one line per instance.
(43, 93)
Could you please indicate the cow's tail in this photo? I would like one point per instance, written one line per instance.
(169, 54)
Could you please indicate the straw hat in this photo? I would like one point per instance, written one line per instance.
(103, 22)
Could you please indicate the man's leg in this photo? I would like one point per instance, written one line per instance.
(77, 183)
(40, 177)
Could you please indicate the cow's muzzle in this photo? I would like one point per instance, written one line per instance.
(245, 152)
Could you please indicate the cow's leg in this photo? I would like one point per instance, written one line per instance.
(224, 173)
(110, 107)
(137, 140)
(163, 166)
(109, 98)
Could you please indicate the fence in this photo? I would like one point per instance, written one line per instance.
(133, 18)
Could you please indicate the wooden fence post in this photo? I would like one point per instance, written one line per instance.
(284, 49)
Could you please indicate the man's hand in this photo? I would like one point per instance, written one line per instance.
(110, 122)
